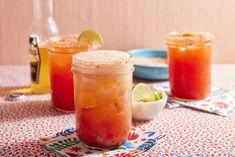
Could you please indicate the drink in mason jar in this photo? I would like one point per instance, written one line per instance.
(60, 51)
(189, 59)
(43, 26)
(102, 93)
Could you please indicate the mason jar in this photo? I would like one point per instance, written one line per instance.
(102, 95)
(189, 59)
(60, 49)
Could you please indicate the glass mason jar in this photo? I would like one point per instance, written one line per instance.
(189, 59)
(102, 93)
(61, 49)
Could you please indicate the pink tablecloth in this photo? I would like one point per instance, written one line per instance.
(188, 132)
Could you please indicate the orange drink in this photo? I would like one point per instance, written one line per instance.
(189, 59)
(102, 93)
(60, 51)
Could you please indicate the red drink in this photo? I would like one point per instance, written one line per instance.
(189, 58)
(103, 85)
(60, 51)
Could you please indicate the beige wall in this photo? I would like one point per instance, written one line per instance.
(125, 24)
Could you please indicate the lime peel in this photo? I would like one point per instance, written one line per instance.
(158, 95)
(144, 93)
(190, 35)
(92, 38)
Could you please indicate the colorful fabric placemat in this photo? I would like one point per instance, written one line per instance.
(220, 101)
(66, 143)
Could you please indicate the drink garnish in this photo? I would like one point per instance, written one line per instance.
(92, 38)
(158, 95)
(144, 93)
(190, 34)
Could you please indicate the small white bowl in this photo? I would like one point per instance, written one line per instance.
(148, 110)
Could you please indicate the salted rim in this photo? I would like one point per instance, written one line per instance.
(198, 36)
(102, 59)
(64, 41)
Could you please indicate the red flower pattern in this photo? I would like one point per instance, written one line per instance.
(133, 136)
(75, 149)
(123, 155)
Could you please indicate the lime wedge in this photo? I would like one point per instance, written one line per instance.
(146, 100)
(143, 92)
(92, 38)
(190, 35)
(158, 95)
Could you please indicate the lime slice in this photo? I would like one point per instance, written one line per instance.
(146, 100)
(158, 95)
(92, 38)
(143, 92)
(190, 35)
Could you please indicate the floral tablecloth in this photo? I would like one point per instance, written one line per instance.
(187, 132)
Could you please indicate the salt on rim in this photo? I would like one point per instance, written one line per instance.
(205, 36)
(102, 59)
(64, 41)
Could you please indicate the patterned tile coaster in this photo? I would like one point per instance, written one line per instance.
(66, 143)
(220, 101)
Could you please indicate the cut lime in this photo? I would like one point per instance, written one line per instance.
(158, 95)
(143, 92)
(190, 35)
(92, 38)
(146, 100)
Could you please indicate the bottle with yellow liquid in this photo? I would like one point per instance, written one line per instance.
(43, 27)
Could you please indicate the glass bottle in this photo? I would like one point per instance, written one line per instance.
(43, 27)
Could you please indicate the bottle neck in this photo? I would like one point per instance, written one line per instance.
(42, 10)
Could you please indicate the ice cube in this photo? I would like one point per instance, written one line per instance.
(87, 99)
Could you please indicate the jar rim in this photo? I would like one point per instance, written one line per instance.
(67, 43)
(64, 41)
(103, 61)
(188, 38)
